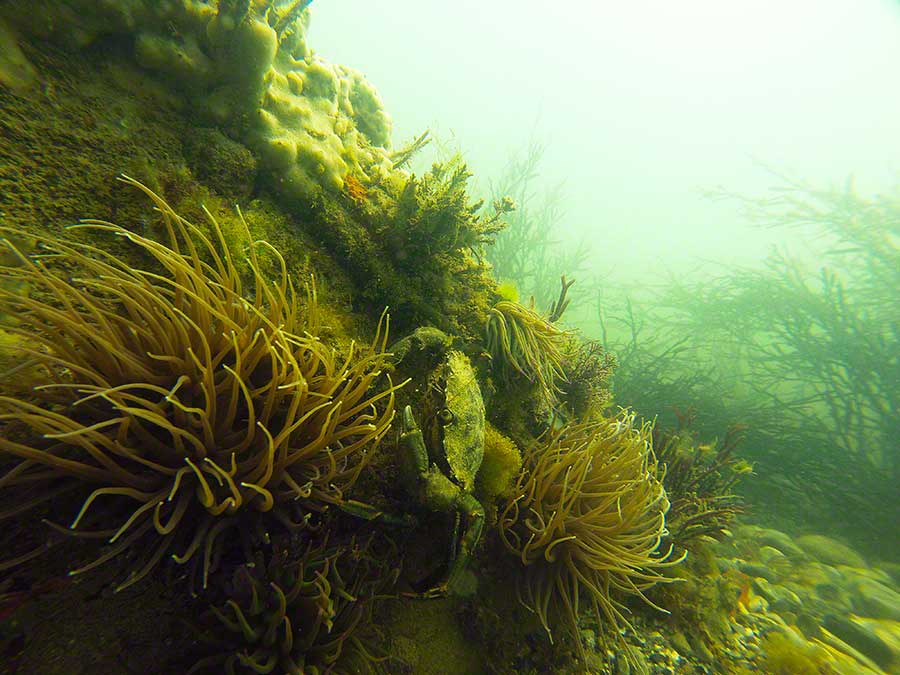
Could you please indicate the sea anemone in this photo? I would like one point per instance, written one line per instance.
(308, 616)
(178, 399)
(588, 521)
(522, 342)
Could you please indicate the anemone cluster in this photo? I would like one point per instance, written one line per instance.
(173, 405)
(189, 396)
(588, 520)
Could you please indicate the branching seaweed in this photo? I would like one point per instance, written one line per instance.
(700, 480)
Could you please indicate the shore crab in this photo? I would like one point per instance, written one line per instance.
(440, 459)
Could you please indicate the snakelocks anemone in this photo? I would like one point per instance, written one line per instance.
(523, 343)
(312, 615)
(177, 400)
(587, 521)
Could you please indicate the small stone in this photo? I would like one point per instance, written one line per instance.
(657, 657)
(813, 573)
(757, 604)
(867, 574)
(830, 551)
(808, 624)
(892, 569)
(860, 636)
(780, 541)
(703, 652)
(780, 599)
(770, 554)
(871, 598)
(680, 642)
(757, 570)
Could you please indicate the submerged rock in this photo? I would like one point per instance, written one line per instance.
(830, 551)
(863, 636)
(780, 599)
(781, 541)
(876, 600)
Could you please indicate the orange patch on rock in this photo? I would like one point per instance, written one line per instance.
(354, 189)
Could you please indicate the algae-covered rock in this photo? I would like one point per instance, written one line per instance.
(777, 539)
(876, 600)
(779, 598)
(787, 653)
(16, 71)
(244, 66)
(225, 165)
(866, 636)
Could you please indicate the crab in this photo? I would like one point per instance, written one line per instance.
(440, 460)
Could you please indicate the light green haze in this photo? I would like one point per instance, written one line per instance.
(642, 105)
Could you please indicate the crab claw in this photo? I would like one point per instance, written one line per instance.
(408, 422)
(414, 463)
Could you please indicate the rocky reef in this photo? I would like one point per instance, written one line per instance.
(220, 451)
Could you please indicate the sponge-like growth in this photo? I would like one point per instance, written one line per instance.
(317, 124)
(244, 66)
(500, 466)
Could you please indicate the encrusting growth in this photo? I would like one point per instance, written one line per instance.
(178, 399)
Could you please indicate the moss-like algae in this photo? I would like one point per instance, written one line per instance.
(437, 282)
(500, 466)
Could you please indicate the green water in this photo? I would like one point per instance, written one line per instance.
(449, 337)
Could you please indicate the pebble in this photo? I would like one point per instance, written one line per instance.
(871, 598)
(780, 599)
(860, 636)
(811, 590)
(830, 551)
(771, 556)
(757, 570)
(780, 541)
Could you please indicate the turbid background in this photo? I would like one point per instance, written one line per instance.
(643, 104)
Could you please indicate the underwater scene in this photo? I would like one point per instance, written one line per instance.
(420, 338)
